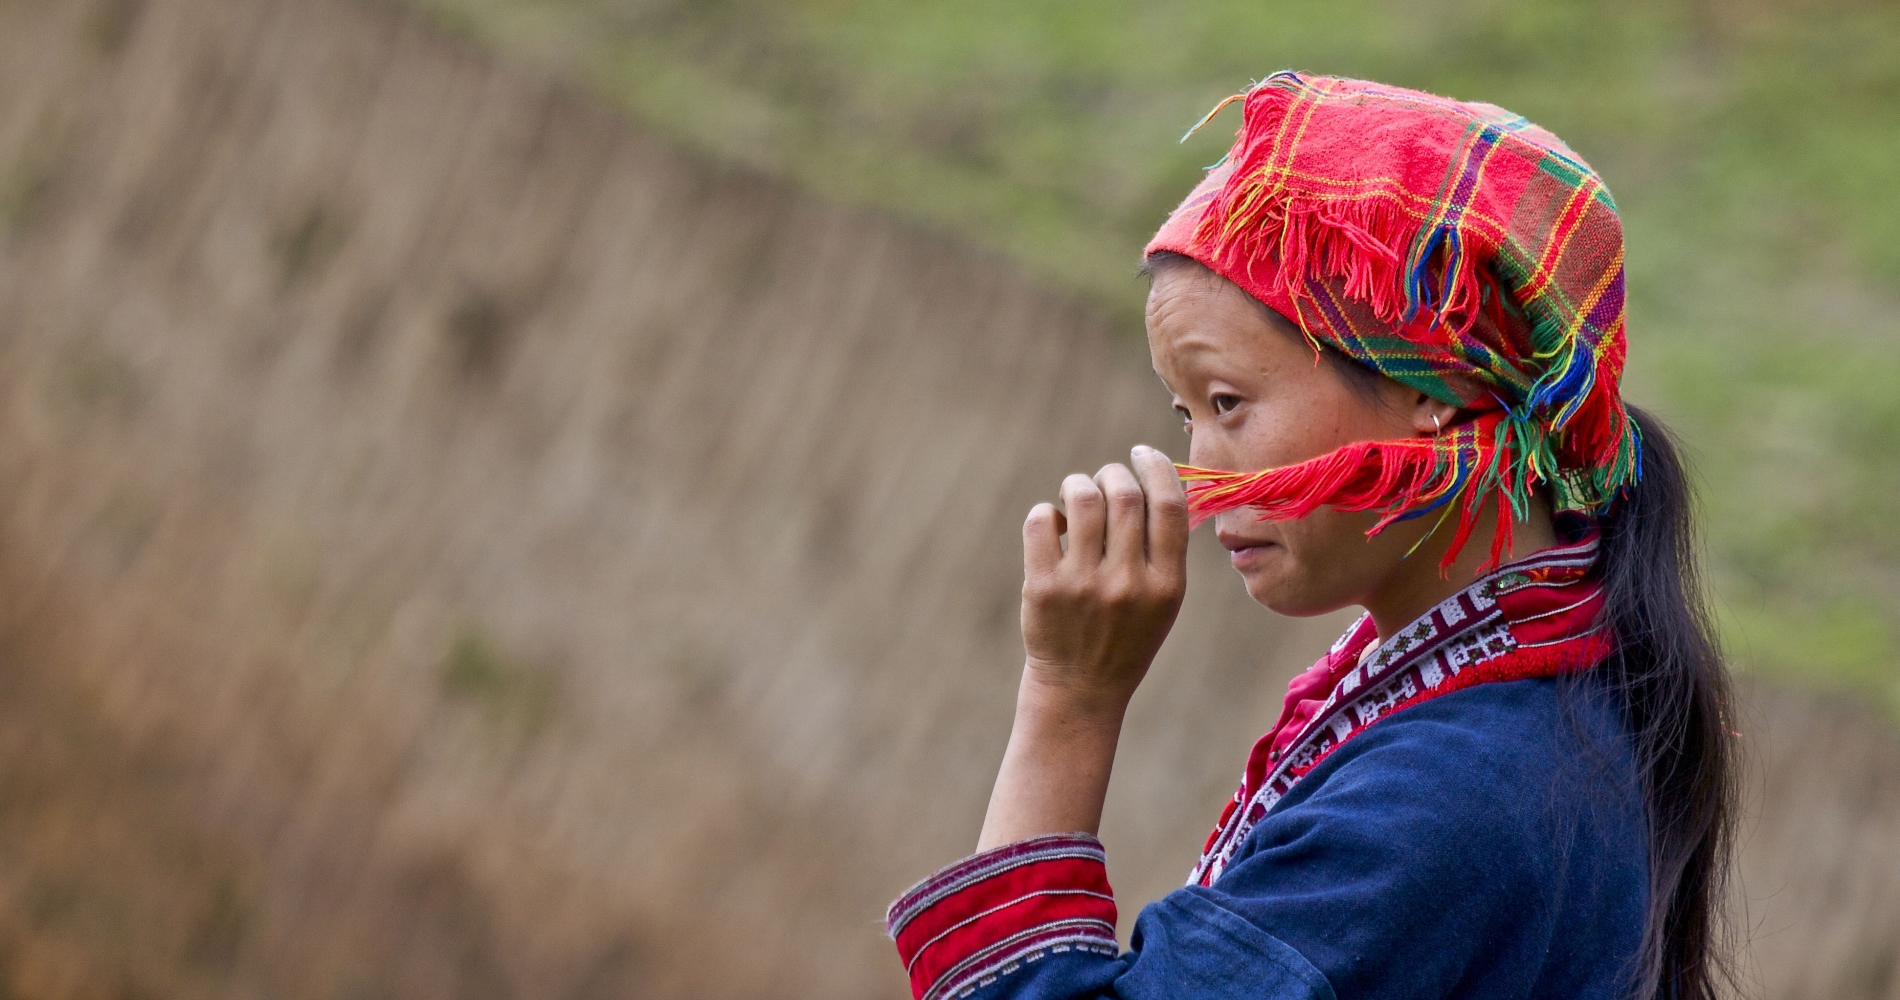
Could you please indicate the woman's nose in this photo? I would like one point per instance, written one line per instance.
(1209, 451)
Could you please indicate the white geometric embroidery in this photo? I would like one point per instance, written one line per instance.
(1482, 644)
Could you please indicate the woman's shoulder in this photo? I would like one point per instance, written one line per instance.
(1537, 728)
(1505, 761)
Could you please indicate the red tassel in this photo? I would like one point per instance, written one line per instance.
(1393, 477)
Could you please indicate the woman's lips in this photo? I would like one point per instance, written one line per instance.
(1249, 556)
(1244, 553)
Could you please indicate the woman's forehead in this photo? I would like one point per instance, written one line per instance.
(1193, 316)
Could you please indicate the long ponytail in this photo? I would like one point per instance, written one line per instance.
(1670, 674)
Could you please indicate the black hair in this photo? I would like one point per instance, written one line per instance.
(1671, 682)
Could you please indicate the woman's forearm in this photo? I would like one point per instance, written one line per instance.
(1054, 776)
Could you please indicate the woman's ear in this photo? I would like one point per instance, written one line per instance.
(1430, 416)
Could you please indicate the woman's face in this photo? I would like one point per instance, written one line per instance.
(1254, 395)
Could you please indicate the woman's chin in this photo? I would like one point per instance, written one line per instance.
(1267, 577)
(1279, 589)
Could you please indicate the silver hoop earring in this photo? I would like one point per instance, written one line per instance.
(1437, 428)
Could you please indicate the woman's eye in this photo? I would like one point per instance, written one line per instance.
(1187, 422)
(1225, 403)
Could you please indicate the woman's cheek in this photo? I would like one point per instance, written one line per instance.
(1280, 433)
(1264, 441)
(1315, 572)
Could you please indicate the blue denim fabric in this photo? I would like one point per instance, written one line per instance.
(1487, 844)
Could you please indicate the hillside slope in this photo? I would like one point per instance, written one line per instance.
(542, 551)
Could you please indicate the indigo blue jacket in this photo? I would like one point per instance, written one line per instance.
(1484, 845)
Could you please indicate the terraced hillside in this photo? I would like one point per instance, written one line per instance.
(459, 546)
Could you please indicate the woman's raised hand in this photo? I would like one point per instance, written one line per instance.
(1095, 615)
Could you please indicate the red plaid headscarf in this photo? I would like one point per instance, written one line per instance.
(1452, 246)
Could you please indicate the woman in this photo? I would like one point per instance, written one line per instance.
(1510, 777)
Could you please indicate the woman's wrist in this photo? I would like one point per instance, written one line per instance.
(1071, 697)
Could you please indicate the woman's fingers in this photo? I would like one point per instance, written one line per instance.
(1127, 529)
(1167, 525)
(1042, 541)
(1087, 513)
(1095, 614)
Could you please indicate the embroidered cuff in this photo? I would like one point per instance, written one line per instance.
(987, 914)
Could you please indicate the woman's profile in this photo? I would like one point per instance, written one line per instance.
(1393, 325)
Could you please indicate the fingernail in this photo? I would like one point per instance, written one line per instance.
(1142, 449)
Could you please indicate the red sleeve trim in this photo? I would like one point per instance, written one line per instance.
(987, 914)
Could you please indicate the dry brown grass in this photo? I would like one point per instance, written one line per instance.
(459, 547)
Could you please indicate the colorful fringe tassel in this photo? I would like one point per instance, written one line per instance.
(1457, 470)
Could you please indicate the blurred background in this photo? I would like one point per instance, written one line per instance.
(519, 498)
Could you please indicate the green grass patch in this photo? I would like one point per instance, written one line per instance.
(507, 691)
